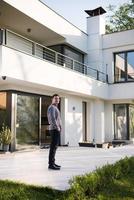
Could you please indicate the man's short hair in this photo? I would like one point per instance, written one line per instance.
(55, 95)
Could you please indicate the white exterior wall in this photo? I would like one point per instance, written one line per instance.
(38, 74)
(35, 75)
(95, 29)
(91, 121)
(62, 111)
(89, 118)
(50, 19)
(109, 121)
(99, 122)
(43, 74)
(73, 121)
(121, 91)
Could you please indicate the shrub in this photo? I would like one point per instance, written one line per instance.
(89, 185)
(5, 135)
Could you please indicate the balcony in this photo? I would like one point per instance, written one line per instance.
(15, 41)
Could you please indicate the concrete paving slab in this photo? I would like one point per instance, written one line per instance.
(31, 167)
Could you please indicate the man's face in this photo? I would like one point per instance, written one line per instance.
(56, 100)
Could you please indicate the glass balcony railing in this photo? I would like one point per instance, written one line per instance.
(20, 43)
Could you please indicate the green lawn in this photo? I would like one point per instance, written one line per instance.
(16, 191)
(115, 182)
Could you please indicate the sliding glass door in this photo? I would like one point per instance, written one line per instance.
(27, 121)
(124, 121)
(131, 121)
(45, 136)
(121, 132)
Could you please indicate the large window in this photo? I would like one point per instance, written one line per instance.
(123, 121)
(69, 51)
(124, 66)
(130, 66)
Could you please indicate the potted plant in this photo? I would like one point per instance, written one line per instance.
(5, 137)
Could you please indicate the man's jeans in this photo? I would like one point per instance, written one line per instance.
(55, 138)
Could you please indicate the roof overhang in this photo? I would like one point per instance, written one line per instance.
(15, 20)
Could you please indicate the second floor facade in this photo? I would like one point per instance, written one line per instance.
(88, 64)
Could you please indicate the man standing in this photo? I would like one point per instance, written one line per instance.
(54, 120)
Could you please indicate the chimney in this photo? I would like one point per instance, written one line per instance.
(95, 12)
(96, 20)
(95, 30)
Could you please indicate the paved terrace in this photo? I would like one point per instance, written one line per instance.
(31, 166)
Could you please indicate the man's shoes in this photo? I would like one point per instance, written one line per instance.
(57, 165)
(53, 167)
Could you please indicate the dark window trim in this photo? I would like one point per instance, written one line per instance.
(126, 75)
(1, 36)
(124, 51)
(84, 105)
(114, 67)
(128, 127)
(114, 118)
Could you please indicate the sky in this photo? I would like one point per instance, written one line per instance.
(73, 10)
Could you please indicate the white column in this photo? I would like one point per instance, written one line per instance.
(99, 123)
(63, 120)
(91, 121)
(13, 121)
(0, 61)
(73, 120)
(109, 122)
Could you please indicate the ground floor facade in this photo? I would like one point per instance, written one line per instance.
(85, 120)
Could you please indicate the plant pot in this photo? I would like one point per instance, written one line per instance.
(5, 147)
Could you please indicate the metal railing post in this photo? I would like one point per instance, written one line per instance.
(107, 78)
(97, 75)
(56, 58)
(85, 69)
(33, 49)
(5, 36)
(1, 36)
(73, 64)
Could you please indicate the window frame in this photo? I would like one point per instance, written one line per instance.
(126, 68)
(127, 119)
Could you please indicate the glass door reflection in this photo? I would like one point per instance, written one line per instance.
(45, 136)
(27, 121)
(121, 132)
(131, 121)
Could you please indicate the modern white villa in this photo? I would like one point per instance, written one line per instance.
(41, 54)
